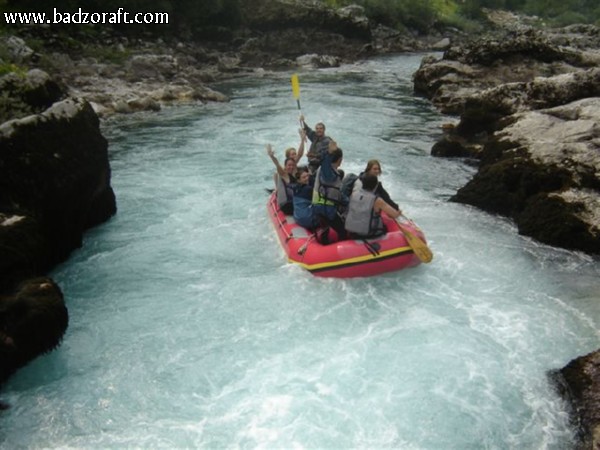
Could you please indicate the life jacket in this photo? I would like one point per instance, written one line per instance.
(285, 191)
(362, 218)
(328, 193)
(348, 184)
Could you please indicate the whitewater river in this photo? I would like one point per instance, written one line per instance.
(188, 328)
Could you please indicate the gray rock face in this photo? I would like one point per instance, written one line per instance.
(516, 56)
(536, 134)
(543, 169)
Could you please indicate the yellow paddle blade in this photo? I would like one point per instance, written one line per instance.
(419, 247)
(295, 86)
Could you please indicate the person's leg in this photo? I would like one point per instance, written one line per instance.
(338, 225)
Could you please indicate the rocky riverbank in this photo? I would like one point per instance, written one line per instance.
(525, 105)
(529, 108)
(119, 74)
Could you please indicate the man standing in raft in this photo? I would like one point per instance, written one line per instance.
(319, 144)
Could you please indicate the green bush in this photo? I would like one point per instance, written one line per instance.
(568, 18)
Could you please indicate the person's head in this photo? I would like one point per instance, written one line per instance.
(373, 167)
(290, 165)
(336, 157)
(303, 175)
(320, 129)
(291, 153)
(369, 182)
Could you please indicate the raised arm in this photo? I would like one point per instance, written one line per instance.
(302, 134)
(310, 133)
(280, 171)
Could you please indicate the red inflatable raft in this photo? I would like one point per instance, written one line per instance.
(348, 258)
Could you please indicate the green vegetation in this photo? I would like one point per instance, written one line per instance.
(422, 15)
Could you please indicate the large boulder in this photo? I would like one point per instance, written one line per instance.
(55, 185)
(543, 170)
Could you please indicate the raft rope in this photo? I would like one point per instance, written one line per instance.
(289, 236)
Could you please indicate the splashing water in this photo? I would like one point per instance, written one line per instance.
(188, 328)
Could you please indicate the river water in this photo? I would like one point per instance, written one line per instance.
(188, 328)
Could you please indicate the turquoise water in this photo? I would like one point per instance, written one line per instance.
(188, 328)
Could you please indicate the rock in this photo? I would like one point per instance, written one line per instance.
(543, 170)
(443, 44)
(18, 49)
(145, 103)
(515, 56)
(317, 61)
(27, 95)
(55, 172)
(33, 321)
(579, 383)
(206, 94)
(156, 67)
(529, 108)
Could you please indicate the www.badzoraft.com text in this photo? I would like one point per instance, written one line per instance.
(85, 18)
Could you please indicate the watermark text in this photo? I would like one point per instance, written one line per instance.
(81, 17)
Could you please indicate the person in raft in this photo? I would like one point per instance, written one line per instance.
(374, 168)
(303, 191)
(328, 201)
(285, 179)
(319, 144)
(364, 210)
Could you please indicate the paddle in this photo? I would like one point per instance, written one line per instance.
(296, 90)
(419, 247)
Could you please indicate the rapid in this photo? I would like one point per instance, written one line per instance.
(188, 328)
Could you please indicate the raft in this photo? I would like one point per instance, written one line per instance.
(348, 258)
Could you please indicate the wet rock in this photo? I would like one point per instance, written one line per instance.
(33, 321)
(579, 383)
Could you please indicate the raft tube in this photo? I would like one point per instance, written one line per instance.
(344, 259)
